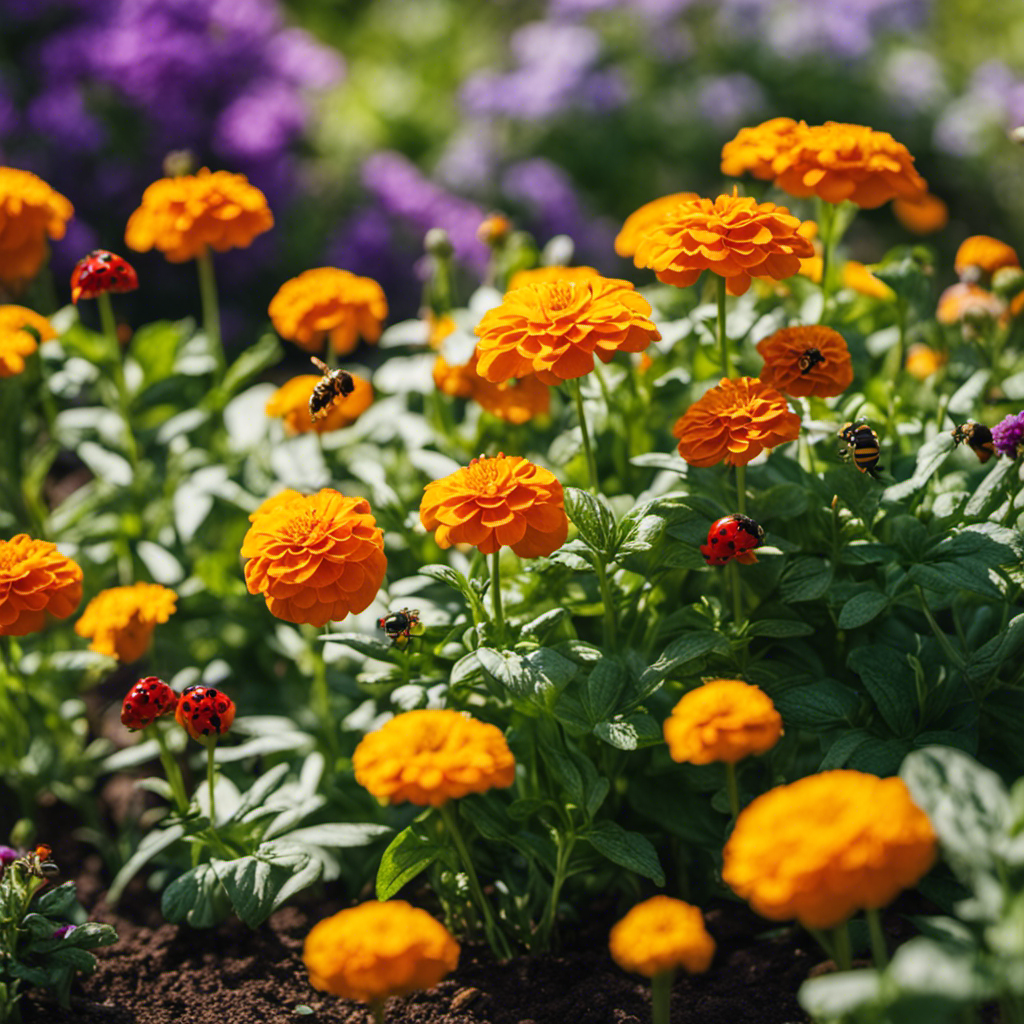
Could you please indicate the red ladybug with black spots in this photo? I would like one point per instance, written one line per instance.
(101, 272)
(204, 713)
(732, 537)
(149, 699)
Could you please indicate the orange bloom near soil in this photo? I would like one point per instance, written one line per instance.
(805, 361)
(329, 302)
(35, 580)
(120, 621)
(505, 501)
(184, 217)
(30, 212)
(733, 236)
(660, 935)
(554, 329)
(314, 559)
(17, 339)
(734, 422)
(290, 403)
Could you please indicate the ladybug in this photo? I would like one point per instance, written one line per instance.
(204, 712)
(101, 272)
(809, 360)
(148, 700)
(399, 625)
(334, 385)
(978, 437)
(730, 537)
(862, 442)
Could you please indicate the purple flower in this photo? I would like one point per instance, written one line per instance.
(1008, 434)
(301, 60)
(259, 123)
(729, 100)
(8, 855)
(64, 929)
(61, 113)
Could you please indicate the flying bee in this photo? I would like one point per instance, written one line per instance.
(336, 384)
(862, 443)
(978, 437)
(809, 360)
(398, 626)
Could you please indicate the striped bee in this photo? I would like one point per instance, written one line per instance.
(336, 384)
(978, 437)
(862, 443)
(809, 360)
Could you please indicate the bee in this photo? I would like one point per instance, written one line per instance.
(334, 385)
(809, 360)
(862, 443)
(398, 626)
(978, 437)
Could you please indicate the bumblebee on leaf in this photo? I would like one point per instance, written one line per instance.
(862, 445)
(336, 385)
(977, 437)
(398, 626)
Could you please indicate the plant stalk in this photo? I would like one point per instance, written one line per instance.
(574, 386)
(879, 949)
(842, 947)
(499, 613)
(171, 769)
(661, 996)
(211, 310)
(723, 340)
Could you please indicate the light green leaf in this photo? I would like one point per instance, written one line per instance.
(627, 849)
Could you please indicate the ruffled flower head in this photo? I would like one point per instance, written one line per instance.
(431, 757)
(19, 328)
(545, 275)
(315, 558)
(290, 403)
(376, 950)
(734, 422)
(329, 302)
(517, 401)
(660, 935)
(1008, 435)
(733, 236)
(555, 329)
(723, 720)
(505, 501)
(805, 361)
(186, 216)
(636, 224)
(35, 580)
(982, 255)
(754, 149)
(828, 845)
(30, 212)
(968, 302)
(858, 278)
(120, 621)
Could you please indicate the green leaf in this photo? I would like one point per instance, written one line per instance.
(251, 884)
(339, 835)
(840, 752)
(489, 816)
(822, 705)
(627, 849)
(250, 364)
(833, 996)
(879, 757)
(409, 855)
(942, 970)
(370, 646)
(779, 628)
(889, 680)
(930, 456)
(944, 577)
(565, 772)
(602, 689)
(786, 500)
(638, 730)
(681, 651)
(192, 897)
(862, 608)
(151, 844)
(805, 579)
(57, 902)
(593, 517)
(70, 956)
(155, 347)
(986, 661)
(452, 578)
(544, 622)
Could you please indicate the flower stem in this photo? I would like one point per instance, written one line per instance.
(574, 387)
(736, 586)
(879, 949)
(211, 309)
(171, 769)
(723, 341)
(377, 1007)
(210, 748)
(661, 995)
(109, 325)
(841, 945)
(741, 490)
(499, 614)
(608, 603)
(826, 226)
(732, 788)
(547, 924)
(495, 938)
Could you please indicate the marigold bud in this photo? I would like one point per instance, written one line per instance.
(149, 699)
(660, 935)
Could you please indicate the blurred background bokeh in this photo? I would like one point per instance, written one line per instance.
(367, 122)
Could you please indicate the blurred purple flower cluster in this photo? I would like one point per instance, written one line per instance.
(992, 102)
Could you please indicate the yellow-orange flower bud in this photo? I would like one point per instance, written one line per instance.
(660, 935)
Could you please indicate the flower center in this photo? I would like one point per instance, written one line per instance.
(561, 294)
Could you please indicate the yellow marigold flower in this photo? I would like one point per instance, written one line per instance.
(923, 360)
(376, 950)
(430, 757)
(546, 275)
(515, 402)
(660, 935)
(555, 329)
(723, 720)
(639, 221)
(858, 278)
(35, 579)
(456, 379)
(438, 328)
(754, 150)
(30, 212)
(733, 236)
(735, 421)
(276, 501)
(836, 162)
(17, 339)
(983, 254)
(120, 621)
(186, 216)
(315, 558)
(804, 361)
(828, 845)
(329, 302)
(505, 501)
(812, 268)
(290, 403)
(923, 215)
(965, 301)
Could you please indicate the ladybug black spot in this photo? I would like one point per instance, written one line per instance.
(215, 722)
(222, 707)
(206, 732)
(211, 694)
(143, 698)
(195, 715)
(185, 706)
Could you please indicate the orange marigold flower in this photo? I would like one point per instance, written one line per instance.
(754, 149)
(734, 236)
(315, 558)
(505, 501)
(376, 950)
(812, 268)
(290, 403)
(329, 302)
(858, 278)
(735, 421)
(30, 212)
(660, 935)
(923, 215)
(430, 757)
(983, 254)
(186, 216)
(35, 578)
(494, 229)
(546, 275)
(637, 223)
(458, 380)
(965, 301)
(828, 845)
(438, 328)
(120, 621)
(18, 329)
(804, 361)
(836, 162)
(514, 402)
(555, 329)
(923, 360)
(723, 720)
(276, 501)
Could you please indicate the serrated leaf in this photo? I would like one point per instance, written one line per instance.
(191, 897)
(409, 854)
(889, 680)
(57, 902)
(805, 579)
(592, 516)
(627, 849)
(452, 578)
(638, 730)
(601, 692)
(370, 646)
(681, 651)
(251, 884)
(862, 608)
(822, 705)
